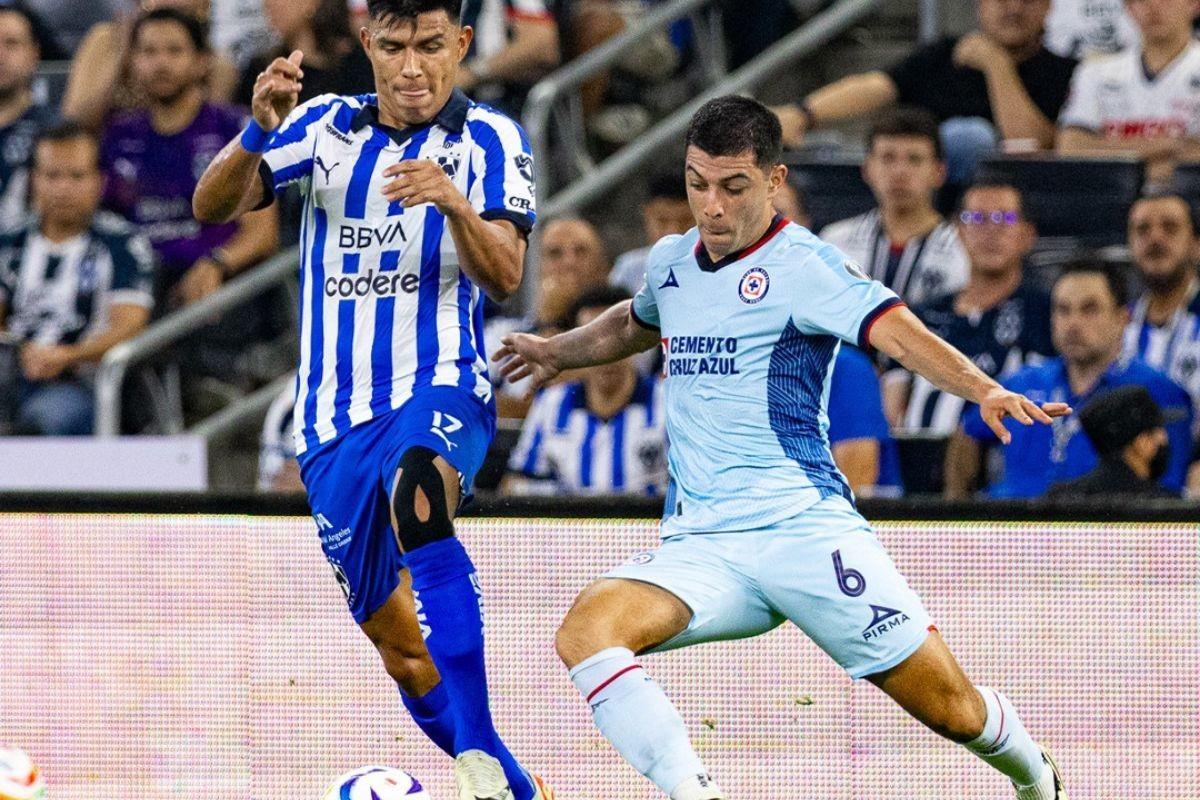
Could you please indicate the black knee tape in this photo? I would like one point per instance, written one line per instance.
(417, 471)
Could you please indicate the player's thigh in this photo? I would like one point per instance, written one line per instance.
(436, 444)
(353, 518)
(829, 574)
(707, 573)
(616, 612)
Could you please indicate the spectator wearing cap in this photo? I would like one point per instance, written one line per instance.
(1088, 318)
(1128, 431)
(602, 433)
(665, 211)
(998, 82)
(1142, 101)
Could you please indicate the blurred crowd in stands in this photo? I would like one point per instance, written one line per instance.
(99, 240)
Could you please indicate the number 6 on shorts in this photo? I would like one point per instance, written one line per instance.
(850, 581)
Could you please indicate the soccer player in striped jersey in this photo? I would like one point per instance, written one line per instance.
(759, 526)
(416, 200)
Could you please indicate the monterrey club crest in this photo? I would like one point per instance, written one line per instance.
(754, 285)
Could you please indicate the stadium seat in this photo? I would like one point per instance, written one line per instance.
(1186, 181)
(833, 188)
(1083, 199)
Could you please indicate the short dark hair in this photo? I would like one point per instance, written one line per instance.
(596, 297)
(907, 121)
(393, 11)
(196, 30)
(729, 125)
(1090, 264)
(668, 186)
(66, 131)
(993, 182)
(1171, 193)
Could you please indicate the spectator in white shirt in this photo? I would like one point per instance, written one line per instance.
(1143, 101)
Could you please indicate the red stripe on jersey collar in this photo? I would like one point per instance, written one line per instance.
(778, 223)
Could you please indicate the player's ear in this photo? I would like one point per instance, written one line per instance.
(775, 179)
(465, 35)
(364, 38)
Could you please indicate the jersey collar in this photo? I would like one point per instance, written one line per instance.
(452, 117)
(778, 223)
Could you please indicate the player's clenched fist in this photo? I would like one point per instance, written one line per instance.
(419, 181)
(277, 91)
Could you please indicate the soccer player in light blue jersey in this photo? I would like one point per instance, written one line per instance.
(759, 526)
(415, 200)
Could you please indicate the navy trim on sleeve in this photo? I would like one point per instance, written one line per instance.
(864, 330)
(641, 321)
(522, 221)
(268, 185)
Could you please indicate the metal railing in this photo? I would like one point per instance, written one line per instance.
(814, 33)
(542, 105)
(110, 378)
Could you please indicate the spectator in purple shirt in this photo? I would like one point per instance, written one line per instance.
(153, 156)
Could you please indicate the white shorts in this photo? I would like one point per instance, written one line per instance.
(824, 570)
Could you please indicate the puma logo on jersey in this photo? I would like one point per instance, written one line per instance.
(317, 162)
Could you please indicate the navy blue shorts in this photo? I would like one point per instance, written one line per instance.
(349, 483)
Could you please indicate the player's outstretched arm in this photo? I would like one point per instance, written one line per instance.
(231, 185)
(609, 337)
(899, 334)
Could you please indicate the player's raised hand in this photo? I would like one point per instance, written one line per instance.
(277, 91)
(1000, 404)
(524, 355)
(420, 181)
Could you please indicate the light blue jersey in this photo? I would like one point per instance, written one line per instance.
(749, 344)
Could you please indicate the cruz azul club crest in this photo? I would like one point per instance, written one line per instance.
(754, 285)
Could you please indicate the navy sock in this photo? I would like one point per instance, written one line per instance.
(443, 581)
(434, 715)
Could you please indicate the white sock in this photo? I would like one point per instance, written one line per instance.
(1007, 746)
(633, 713)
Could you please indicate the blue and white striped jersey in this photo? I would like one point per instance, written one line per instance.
(572, 451)
(749, 344)
(385, 310)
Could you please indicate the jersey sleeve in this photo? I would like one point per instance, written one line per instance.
(502, 171)
(1176, 404)
(1082, 109)
(133, 270)
(837, 299)
(288, 156)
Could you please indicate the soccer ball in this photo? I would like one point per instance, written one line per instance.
(375, 783)
(19, 777)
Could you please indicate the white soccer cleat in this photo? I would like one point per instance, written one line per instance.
(479, 776)
(698, 787)
(1050, 787)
